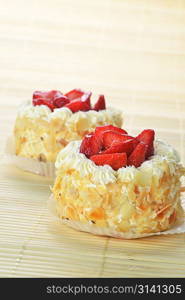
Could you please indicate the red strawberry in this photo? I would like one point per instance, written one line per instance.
(110, 137)
(60, 101)
(87, 99)
(101, 129)
(135, 142)
(81, 99)
(127, 147)
(147, 137)
(45, 98)
(100, 104)
(38, 94)
(46, 95)
(90, 145)
(43, 102)
(115, 160)
(74, 94)
(137, 157)
(78, 105)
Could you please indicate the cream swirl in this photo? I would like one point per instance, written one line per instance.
(34, 112)
(91, 117)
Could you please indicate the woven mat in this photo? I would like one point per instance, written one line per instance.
(133, 52)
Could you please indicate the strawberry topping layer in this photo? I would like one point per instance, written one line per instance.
(76, 100)
(110, 145)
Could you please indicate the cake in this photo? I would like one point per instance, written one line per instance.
(114, 184)
(51, 120)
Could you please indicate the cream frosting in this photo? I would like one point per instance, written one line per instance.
(80, 118)
(165, 156)
(34, 112)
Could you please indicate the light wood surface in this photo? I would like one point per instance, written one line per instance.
(134, 53)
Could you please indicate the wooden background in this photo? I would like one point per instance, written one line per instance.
(133, 52)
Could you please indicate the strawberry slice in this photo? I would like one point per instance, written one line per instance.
(137, 157)
(127, 147)
(78, 105)
(99, 131)
(100, 104)
(111, 138)
(46, 102)
(87, 99)
(79, 95)
(50, 95)
(90, 145)
(74, 94)
(115, 160)
(147, 137)
(60, 101)
(46, 98)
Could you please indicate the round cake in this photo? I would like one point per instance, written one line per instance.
(51, 120)
(111, 183)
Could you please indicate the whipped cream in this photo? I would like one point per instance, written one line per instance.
(164, 149)
(165, 158)
(75, 121)
(34, 112)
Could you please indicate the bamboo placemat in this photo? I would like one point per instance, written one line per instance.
(134, 53)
